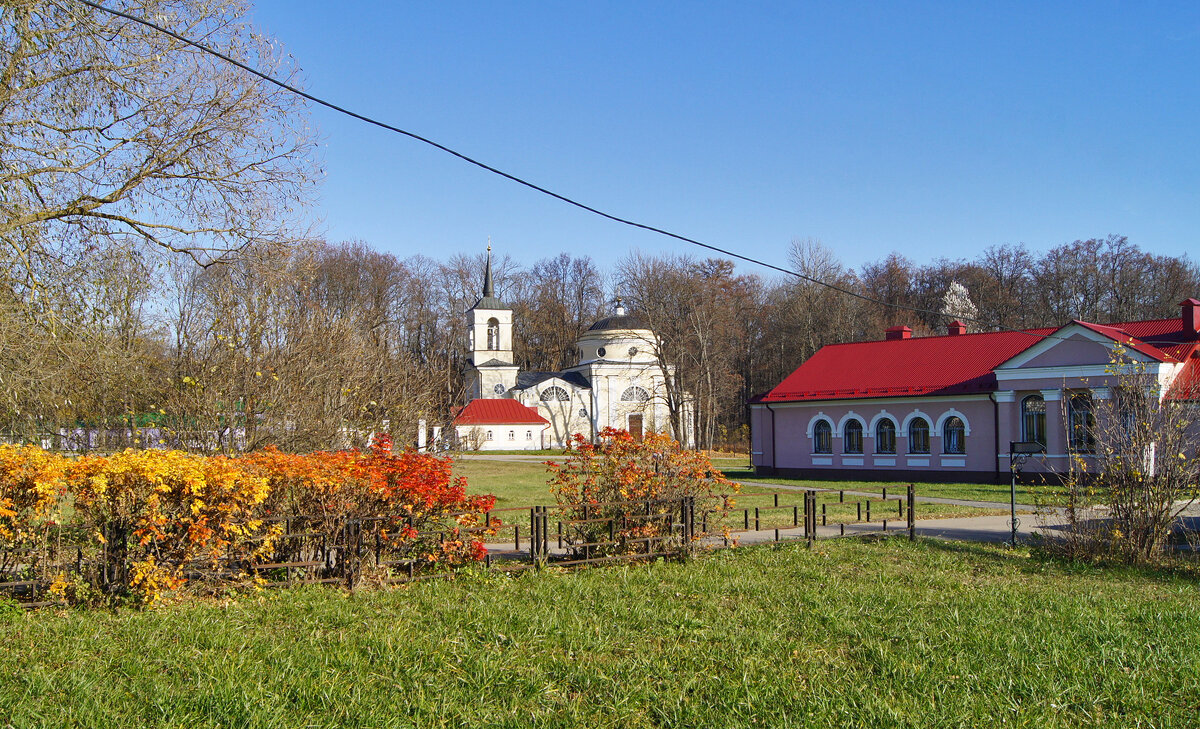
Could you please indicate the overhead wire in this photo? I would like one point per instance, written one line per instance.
(533, 186)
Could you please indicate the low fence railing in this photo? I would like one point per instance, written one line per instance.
(364, 550)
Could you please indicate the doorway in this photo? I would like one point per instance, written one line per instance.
(635, 426)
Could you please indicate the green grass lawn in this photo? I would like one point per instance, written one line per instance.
(513, 483)
(850, 634)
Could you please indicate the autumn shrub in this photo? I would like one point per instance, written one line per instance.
(408, 503)
(1126, 495)
(33, 492)
(141, 523)
(159, 515)
(624, 495)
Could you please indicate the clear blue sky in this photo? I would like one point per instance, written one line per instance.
(931, 129)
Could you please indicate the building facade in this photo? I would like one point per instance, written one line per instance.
(618, 381)
(947, 408)
(499, 424)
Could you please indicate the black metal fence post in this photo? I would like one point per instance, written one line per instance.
(912, 519)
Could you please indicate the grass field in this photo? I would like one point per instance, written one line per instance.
(851, 634)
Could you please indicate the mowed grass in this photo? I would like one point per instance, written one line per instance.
(513, 483)
(850, 634)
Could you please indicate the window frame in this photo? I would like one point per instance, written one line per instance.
(822, 438)
(554, 393)
(635, 393)
(1081, 436)
(852, 440)
(960, 438)
(1038, 420)
(891, 437)
(914, 440)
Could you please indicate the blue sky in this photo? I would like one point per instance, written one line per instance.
(931, 129)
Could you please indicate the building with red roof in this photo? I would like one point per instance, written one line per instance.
(948, 407)
(488, 424)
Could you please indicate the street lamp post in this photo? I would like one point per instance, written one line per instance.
(1019, 451)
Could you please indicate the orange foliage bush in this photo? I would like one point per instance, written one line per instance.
(151, 520)
(32, 487)
(626, 480)
(421, 511)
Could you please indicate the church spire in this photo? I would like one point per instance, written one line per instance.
(488, 291)
(489, 300)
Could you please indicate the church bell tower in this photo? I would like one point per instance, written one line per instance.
(490, 323)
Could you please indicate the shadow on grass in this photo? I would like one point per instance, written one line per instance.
(1039, 554)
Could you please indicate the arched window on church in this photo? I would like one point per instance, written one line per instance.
(555, 393)
(493, 333)
(635, 394)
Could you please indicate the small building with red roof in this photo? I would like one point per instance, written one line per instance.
(488, 424)
(948, 407)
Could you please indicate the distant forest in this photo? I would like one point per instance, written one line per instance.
(300, 346)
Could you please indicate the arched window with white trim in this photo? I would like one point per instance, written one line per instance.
(885, 436)
(918, 436)
(635, 394)
(554, 393)
(852, 437)
(954, 436)
(822, 437)
(493, 334)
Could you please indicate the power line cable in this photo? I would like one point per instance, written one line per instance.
(533, 186)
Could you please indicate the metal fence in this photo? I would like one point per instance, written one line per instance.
(352, 552)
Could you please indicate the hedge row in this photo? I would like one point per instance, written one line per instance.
(131, 525)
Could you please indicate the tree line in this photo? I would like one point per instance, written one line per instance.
(159, 280)
(315, 345)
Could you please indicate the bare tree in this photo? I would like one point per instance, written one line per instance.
(113, 134)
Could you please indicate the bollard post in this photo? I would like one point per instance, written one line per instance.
(912, 520)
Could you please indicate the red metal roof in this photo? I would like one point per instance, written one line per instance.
(949, 365)
(502, 411)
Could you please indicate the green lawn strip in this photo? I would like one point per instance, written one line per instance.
(548, 452)
(849, 634)
(1026, 493)
(513, 483)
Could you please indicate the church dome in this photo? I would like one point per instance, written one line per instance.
(618, 321)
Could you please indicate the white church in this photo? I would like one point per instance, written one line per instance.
(617, 382)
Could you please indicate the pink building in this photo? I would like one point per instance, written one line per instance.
(946, 408)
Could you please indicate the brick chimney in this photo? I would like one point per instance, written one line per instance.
(1190, 310)
(956, 327)
(900, 332)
